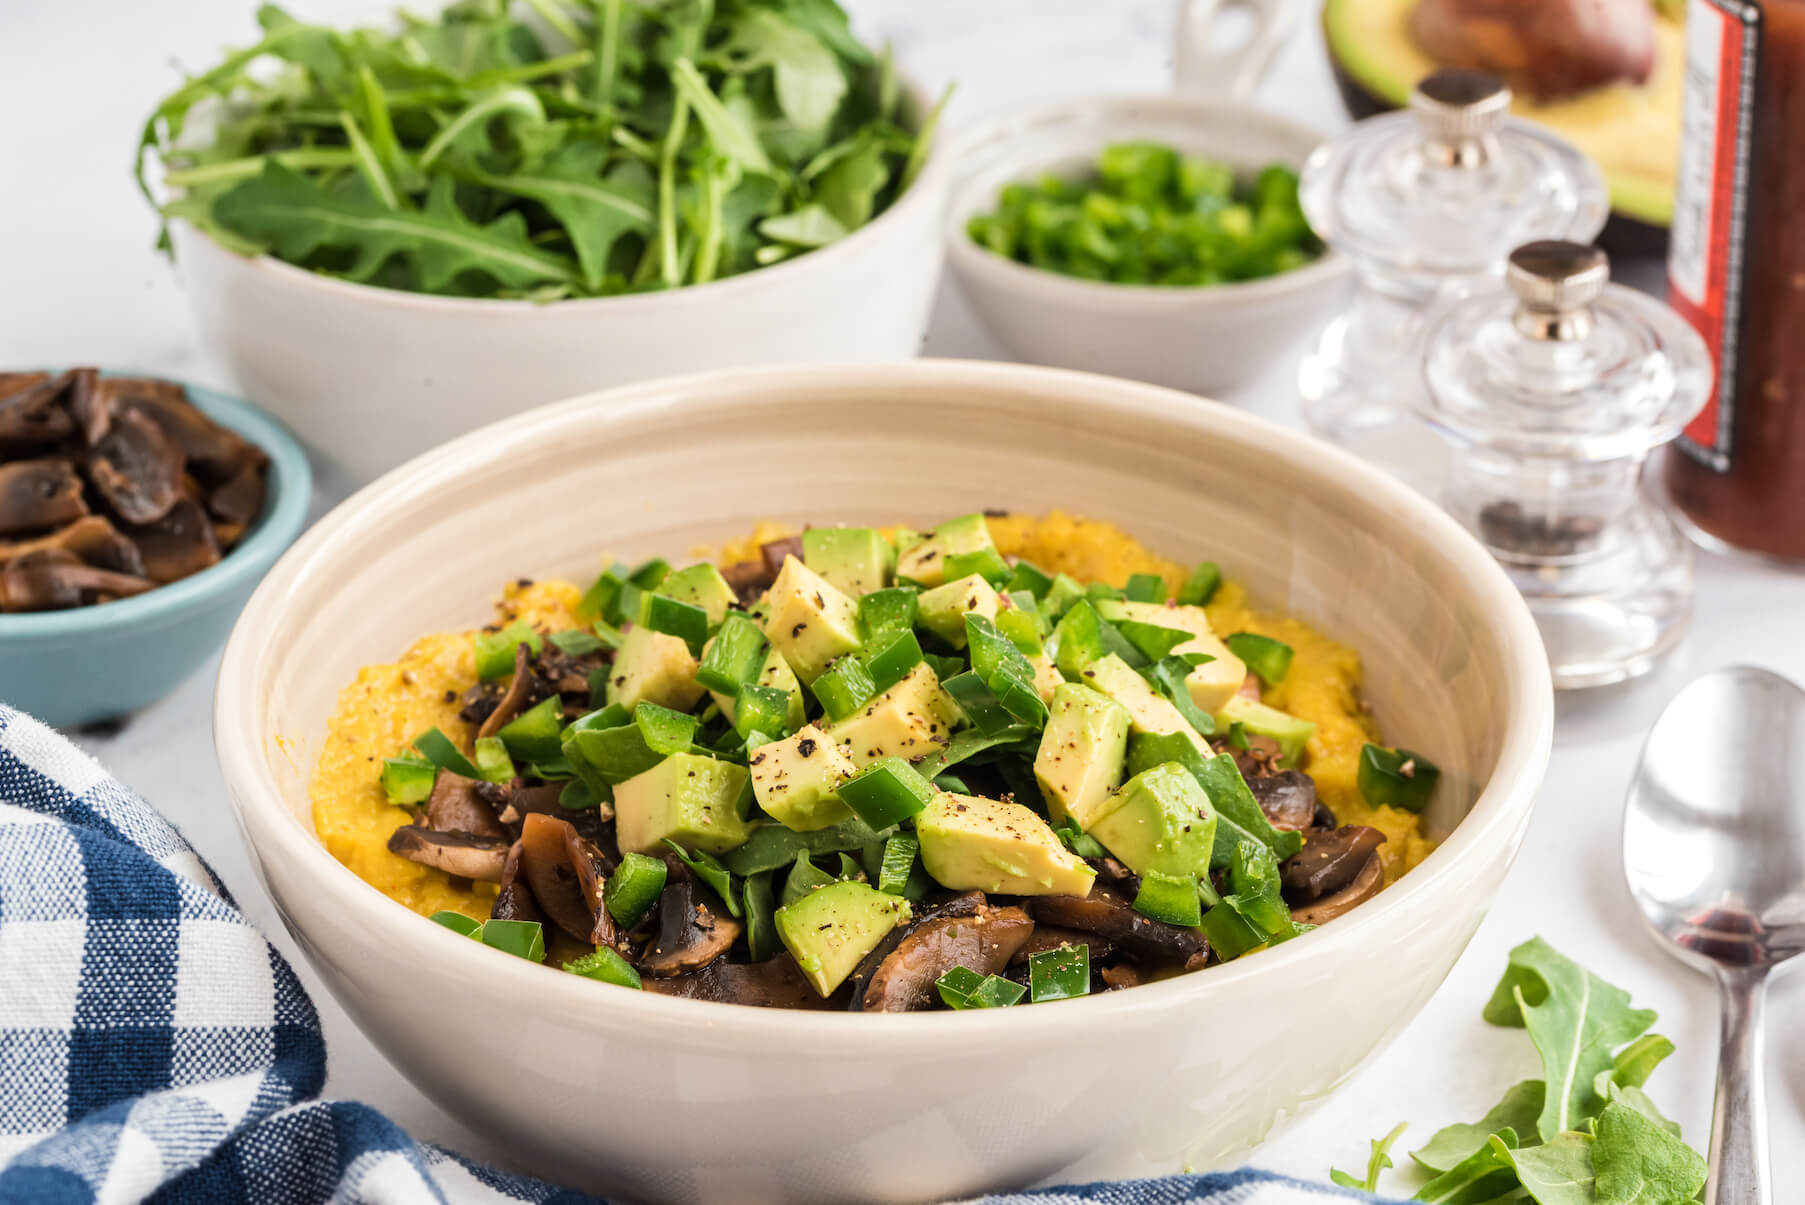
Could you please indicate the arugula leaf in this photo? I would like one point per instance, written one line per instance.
(810, 226)
(1518, 1112)
(1559, 1172)
(1631, 1066)
(1639, 1162)
(969, 743)
(1576, 1021)
(710, 871)
(1168, 675)
(731, 135)
(284, 210)
(1484, 1176)
(849, 188)
(809, 82)
(595, 208)
(1375, 1165)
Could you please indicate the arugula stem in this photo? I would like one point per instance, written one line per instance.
(708, 254)
(226, 170)
(558, 19)
(367, 165)
(670, 268)
(607, 53)
(478, 111)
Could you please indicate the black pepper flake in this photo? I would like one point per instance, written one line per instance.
(806, 747)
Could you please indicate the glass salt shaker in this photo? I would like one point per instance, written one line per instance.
(1552, 389)
(1426, 202)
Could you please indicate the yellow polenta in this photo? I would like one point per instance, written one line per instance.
(388, 705)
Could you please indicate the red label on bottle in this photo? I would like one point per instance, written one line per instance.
(1705, 256)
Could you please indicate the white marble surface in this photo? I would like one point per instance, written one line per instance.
(83, 284)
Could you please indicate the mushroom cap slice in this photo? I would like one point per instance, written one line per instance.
(1110, 915)
(457, 806)
(178, 545)
(1328, 862)
(36, 495)
(216, 453)
(775, 983)
(514, 702)
(138, 469)
(91, 539)
(32, 413)
(239, 500)
(983, 942)
(561, 869)
(1365, 885)
(690, 935)
(515, 899)
(1288, 798)
(54, 579)
(480, 858)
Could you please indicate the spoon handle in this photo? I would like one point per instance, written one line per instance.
(1739, 1164)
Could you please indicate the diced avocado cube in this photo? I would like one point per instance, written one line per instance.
(1291, 733)
(970, 843)
(701, 586)
(1047, 678)
(1160, 822)
(1082, 751)
(777, 674)
(691, 799)
(830, 930)
(943, 609)
(651, 666)
(811, 622)
(1148, 710)
(925, 561)
(795, 780)
(1214, 682)
(854, 559)
(910, 720)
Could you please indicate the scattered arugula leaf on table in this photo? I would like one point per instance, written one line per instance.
(1586, 1133)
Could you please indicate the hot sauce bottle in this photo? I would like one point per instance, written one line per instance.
(1737, 271)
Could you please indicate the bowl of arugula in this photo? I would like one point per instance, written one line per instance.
(395, 234)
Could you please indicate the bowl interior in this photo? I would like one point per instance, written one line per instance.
(675, 468)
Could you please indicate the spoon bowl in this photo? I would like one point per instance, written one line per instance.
(1714, 855)
(1714, 834)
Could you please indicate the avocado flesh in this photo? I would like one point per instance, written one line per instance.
(1631, 131)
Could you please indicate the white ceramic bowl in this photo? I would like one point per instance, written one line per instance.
(1208, 339)
(369, 376)
(667, 1099)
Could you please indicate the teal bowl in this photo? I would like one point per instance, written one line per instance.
(97, 663)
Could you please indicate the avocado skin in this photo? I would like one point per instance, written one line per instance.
(1623, 237)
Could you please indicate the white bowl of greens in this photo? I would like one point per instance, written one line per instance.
(392, 235)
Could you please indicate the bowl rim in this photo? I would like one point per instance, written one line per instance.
(968, 256)
(929, 183)
(284, 514)
(1498, 818)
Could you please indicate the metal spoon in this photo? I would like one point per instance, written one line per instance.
(1714, 852)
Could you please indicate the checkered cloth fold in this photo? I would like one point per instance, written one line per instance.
(154, 1045)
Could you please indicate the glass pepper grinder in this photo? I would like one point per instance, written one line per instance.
(1424, 202)
(1552, 388)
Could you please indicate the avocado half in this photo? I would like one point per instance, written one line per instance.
(1631, 131)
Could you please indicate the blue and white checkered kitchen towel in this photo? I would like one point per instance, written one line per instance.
(152, 1044)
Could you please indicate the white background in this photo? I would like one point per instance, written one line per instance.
(81, 283)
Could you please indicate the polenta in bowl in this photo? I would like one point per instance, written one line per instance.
(1007, 760)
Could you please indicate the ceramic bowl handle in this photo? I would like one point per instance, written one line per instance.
(1233, 73)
